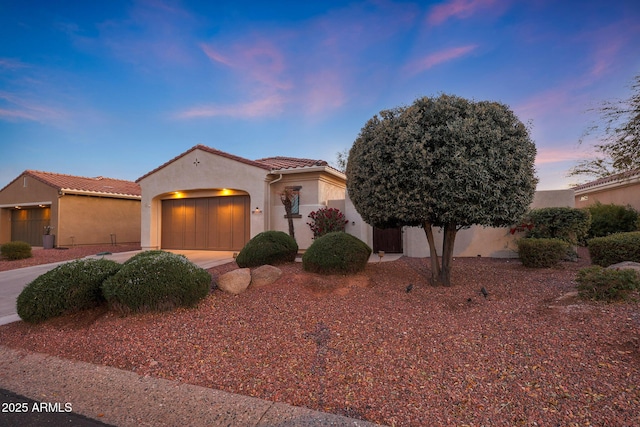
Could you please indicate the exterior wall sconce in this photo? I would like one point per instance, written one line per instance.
(256, 211)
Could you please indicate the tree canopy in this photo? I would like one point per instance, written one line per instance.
(619, 134)
(442, 162)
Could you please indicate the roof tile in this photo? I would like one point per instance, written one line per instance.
(98, 184)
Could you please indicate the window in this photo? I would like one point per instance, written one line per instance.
(294, 195)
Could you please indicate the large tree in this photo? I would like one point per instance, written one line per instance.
(442, 162)
(619, 135)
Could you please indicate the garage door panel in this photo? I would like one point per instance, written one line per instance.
(217, 223)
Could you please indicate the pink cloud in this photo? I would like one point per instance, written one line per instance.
(259, 108)
(556, 155)
(21, 108)
(437, 58)
(457, 9)
(11, 64)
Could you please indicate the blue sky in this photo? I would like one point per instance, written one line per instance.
(116, 88)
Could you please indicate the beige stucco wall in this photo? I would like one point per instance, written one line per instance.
(471, 242)
(200, 174)
(17, 194)
(626, 194)
(92, 220)
(317, 189)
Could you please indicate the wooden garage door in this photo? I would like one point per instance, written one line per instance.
(27, 225)
(213, 223)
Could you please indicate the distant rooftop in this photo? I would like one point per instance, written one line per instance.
(85, 185)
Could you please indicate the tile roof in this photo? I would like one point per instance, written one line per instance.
(84, 185)
(608, 179)
(209, 150)
(280, 162)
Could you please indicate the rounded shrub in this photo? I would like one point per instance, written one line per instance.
(156, 281)
(336, 252)
(542, 253)
(268, 247)
(16, 250)
(615, 248)
(606, 284)
(70, 287)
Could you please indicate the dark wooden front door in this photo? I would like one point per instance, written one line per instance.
(388, 240)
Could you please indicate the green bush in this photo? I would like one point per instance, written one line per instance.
(336, 252)
(610, 219)
(541, 253)
(568, 224)
(268, 247)
(615, 248)
(156, 281)
(16, 250)
(606, 284)
(70, 287)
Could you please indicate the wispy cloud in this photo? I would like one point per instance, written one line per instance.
(258, 108)
(547, 155)
(459, 9)
(12, 64)
(436, 58)
(17, 107)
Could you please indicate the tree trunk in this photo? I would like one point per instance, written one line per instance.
(450, 231)
(286, 201)
(433, 253)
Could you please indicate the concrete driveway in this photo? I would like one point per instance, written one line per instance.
(13, 281)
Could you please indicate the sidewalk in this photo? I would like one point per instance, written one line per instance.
(123, 398)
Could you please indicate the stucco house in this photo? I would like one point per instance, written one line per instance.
(209, 199)
(620, 189)
(78, 210)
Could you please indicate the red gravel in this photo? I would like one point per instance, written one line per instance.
(46, 256)
(528, 354)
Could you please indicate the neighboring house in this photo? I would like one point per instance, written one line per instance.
(79, 210)
(208, 199)
(620, 189)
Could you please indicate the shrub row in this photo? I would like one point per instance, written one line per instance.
(16, 250)
(610, 219)
(149, 281)
(615, 248)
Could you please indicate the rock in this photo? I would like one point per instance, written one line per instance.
(265, 275)
(626, 265)
(236, 281)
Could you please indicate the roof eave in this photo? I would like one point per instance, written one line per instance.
(607, 185)
(302, 169)
(63, 191)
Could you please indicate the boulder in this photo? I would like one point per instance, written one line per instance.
(236, 281)
(265, 275)
(626, 265)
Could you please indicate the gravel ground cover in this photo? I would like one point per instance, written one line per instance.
(46, 256)
(530, 353)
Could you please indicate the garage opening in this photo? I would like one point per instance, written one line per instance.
(27, 224)
(207, 223)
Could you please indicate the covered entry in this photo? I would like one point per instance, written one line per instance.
(387, 239)
(27, 224)
(209, 223)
